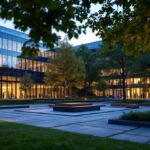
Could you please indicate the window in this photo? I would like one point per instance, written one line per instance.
(14, 46)
(0, 42)
(9, 45)
(19, 46)
(4, 60)
(10, 61)
(4, 43)
(1, 60)
(14, 62)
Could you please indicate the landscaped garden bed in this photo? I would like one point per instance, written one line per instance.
(49, 101)
(139, 119)
(126, 105)
(145, 104)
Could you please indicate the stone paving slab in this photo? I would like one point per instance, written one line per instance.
(104, 124)
(89, 123)
(132, 138)
(50, 111)
(141, 131)
(89, 130)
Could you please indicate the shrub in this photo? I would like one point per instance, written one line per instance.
(137, 116)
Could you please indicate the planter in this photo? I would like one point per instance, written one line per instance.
(145, 104)
(75, 104)
(75, 107)
(129, 123)
(12, 107)
(134, 106)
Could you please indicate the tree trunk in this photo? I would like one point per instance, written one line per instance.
(103, 92)
(70, 91)
(65, 90)
(25, 94)
(85, 86)
(124, 84)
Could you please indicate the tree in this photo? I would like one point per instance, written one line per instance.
(116, 61)
(141, 67)
(44, 19)
(90, 60)
(142, 64)
(101, 85)
(126, 20)
(65, 69)
(26, 83)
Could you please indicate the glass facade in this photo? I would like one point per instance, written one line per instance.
(136, 88)
(12, 68)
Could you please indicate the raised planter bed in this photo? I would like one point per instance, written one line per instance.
(75, 107)
(146, 104)
(74, 104)
(134, 106)
(129, 123)
(12, 107)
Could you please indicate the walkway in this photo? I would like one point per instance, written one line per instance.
(92, 123)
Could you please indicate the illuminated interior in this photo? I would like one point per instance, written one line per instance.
(12, 68)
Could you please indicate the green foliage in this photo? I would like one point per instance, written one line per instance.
(101, 85)
(123, 20)
(49, 101)
(26, 83)
(115, 57)
(115, 60)
(17, 136)
(137, 116)
(142, 64)
(45, 18)
(92, 69)
(116, 20)
(65, 69)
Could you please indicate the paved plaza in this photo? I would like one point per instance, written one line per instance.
(92, 122)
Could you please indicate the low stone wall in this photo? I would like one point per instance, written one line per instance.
(129, 123)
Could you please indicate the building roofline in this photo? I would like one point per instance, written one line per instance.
(100, 42)
(13, 32)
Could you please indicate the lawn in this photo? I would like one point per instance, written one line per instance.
(22, 137)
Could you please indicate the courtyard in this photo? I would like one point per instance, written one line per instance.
(90, 123)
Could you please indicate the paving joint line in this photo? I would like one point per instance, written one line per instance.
(148, 142)
(122, 132)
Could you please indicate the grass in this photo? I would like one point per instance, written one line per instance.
(137, 116)
(22, 137)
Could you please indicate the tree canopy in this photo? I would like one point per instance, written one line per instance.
(44, 19)
(26, 83)
(126, 20)
(90, 60)
(91, 64)
(142, 64)
(116, 60)
(66, 69)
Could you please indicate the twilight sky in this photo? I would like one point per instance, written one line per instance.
(83, 38)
